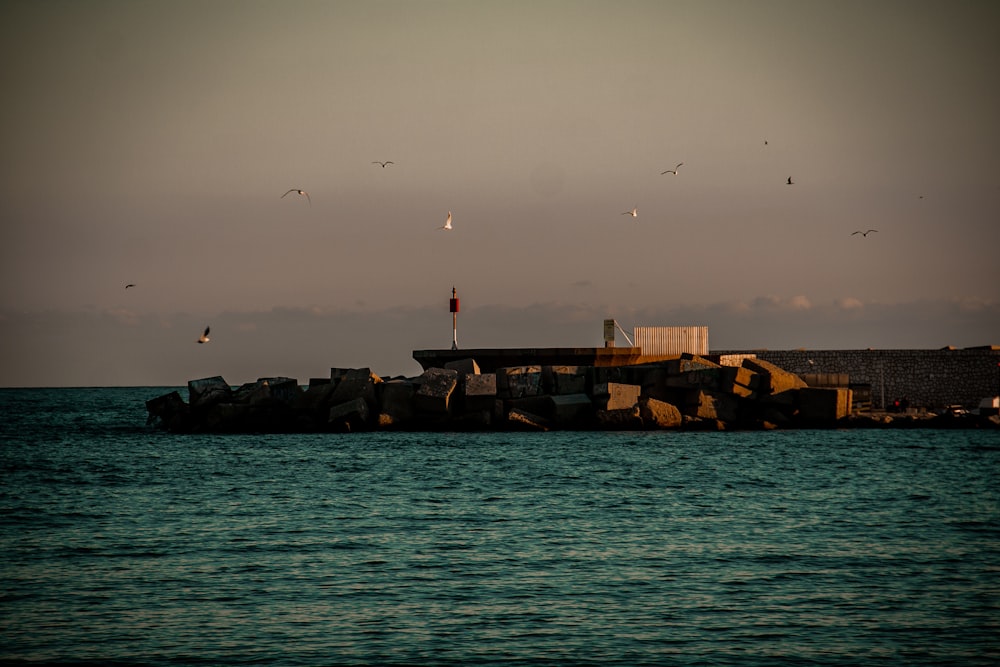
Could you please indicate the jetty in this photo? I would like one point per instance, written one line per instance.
(542, 389)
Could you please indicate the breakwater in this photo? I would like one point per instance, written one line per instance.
(684, 392)
(929, 379)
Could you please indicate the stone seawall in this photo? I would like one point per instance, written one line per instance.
(930, 379)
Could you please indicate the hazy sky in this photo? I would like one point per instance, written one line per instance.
(150, 143)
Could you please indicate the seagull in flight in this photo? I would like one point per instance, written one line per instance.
(298, 192)
(864, 233)
(130, 285)
(383, 163)
(672, 171)
(789, 181)
(634, 212)
(204, 337)
(447, 222)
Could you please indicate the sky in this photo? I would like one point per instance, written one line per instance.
(150, 142)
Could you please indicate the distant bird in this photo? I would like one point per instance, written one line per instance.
(634, 212)
(789, 181)
(298, 192)
(204, 337)
(765, 142)
(130, 285)
(672, 171)
(864, 233)
(447, 222)
(383, 163)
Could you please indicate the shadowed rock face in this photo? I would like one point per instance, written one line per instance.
(686, 392)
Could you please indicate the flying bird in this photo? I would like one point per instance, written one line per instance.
(383, 163)
(634, 212)
(790, 181)
(672, 171)
(447, 222)
(204, 337)
(864, 233)
(130, 285)
(298, 192)
(765, 142)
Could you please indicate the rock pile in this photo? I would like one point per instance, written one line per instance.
(687, 392)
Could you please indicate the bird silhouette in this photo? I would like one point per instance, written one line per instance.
(298, 192)
(634, 212)
(130, 285)
(790, 181)
(447, 222)
(204, 337)
(672, 171)
(383, 163)
(864, 233)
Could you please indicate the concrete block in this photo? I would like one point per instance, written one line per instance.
(355, 383)
(712, 406)
(435, 391)
(659, 414)
(571, 408)
(565, 380)
(615, 396)
(350, 416)
(519, 381)
(737, 380)
(208, 391)
(625, 419)
(705, 378)
(396, 402)
(524, 420)
(686, 363)
(479, 392)
(773, 380)
(824, 404)
(282, 389)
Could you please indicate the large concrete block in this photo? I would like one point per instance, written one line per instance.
(703, 378)
(773, 380)
(354, 383)
(659, 415)
(396, 402)
(479, 392)
(737, 380)
(519, 381)
(625, 419)
(435, 391)
(523, 420)
(565, 380)
(824, 404)
(616, 396)
(568, 409)
(350, 416)
(712, 406)
(208, 391)
(284, 389)
(686, 363)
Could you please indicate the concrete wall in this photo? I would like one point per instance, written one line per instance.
(928, 378)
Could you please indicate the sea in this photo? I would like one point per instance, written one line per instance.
(125, 545)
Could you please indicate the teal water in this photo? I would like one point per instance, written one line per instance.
(123, 545)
